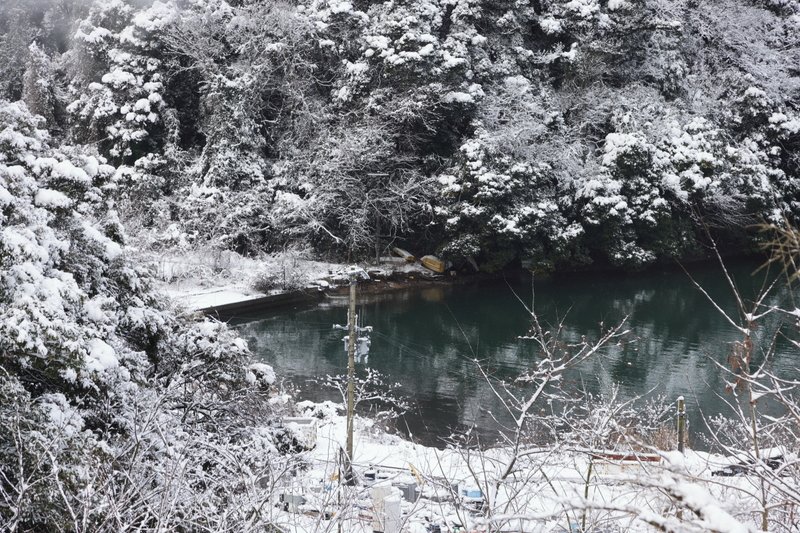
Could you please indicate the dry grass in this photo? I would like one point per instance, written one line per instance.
(783, 248)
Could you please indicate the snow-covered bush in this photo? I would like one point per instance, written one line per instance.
(112, 406)
(284, 271)
(504, 200)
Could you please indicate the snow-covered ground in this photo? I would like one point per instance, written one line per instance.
(461, 490)
(198, 279)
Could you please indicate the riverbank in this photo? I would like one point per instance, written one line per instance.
(225, 283)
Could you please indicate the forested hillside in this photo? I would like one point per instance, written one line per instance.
(558, 133)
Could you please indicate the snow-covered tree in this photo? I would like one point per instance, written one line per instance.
(112, 407)
(118, 79)
(39, 89)
(609, 126)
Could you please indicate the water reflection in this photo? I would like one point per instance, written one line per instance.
(429, 339)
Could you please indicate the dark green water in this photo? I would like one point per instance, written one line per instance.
(426, 339)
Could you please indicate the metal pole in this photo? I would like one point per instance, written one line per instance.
(681, 423)
(351, 369)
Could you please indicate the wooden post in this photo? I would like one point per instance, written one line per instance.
(351, 370)
(681, 424)
(681, 436)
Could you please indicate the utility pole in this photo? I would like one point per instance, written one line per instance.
(357, 348)
(351, 370)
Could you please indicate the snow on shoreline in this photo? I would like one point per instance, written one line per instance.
(547, 491)
(197, 280)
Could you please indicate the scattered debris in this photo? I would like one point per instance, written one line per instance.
(744, 468)
(615, 463)
(304, 430)
(291, 502)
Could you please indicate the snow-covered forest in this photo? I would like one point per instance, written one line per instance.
(555, 134)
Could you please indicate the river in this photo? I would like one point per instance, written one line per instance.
(427, 339)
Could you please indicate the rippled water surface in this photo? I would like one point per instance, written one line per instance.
(427, 340)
